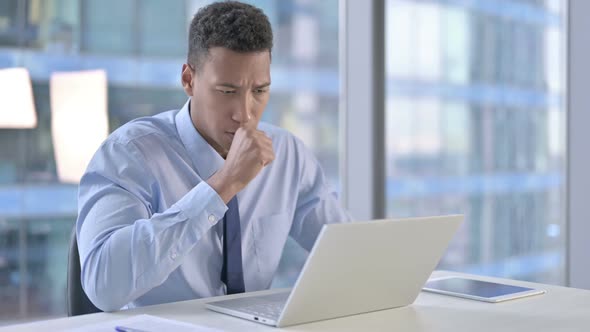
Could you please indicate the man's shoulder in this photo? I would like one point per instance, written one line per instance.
(149, 128)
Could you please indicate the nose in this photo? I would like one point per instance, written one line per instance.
(242, 113)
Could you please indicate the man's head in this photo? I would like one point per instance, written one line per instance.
(227, 74)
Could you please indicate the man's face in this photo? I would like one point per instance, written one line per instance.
(229, 91)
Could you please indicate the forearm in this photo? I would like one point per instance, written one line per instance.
(123, 259)
(224, 185)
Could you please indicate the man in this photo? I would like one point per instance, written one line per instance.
(199, 202)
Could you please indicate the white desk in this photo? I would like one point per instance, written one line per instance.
(561, 309)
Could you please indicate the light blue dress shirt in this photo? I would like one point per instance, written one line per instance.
(150, 228)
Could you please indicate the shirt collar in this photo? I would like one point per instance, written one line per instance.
(205, 159)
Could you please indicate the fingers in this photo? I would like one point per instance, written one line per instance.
(267, 157)
(258, 136)
(266, 150)
(258, 142)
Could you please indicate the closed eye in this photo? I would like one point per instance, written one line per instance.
(227, 92)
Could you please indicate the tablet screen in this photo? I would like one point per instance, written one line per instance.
(474, 287)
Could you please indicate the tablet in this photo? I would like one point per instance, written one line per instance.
(478, 289)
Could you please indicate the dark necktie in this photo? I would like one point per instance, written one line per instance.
(231, 272)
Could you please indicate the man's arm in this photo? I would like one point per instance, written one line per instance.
(125, 249)
(317, 203)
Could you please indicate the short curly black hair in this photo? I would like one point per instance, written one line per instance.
(234, 25)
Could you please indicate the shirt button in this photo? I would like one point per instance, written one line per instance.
(173, 255)
(212, 218)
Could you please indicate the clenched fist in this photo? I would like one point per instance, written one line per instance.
(251, 150)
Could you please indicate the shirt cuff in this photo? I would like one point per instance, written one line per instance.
(202, 203)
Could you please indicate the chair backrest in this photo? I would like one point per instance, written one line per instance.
(76, 299)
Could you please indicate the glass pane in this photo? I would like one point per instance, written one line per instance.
(159, 37)
(9, 23)
(48, 25)
(10, 256)
(142, 52)
(475, 124)
(47, 241)
(108, 27)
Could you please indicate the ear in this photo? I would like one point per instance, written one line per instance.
(187, 79)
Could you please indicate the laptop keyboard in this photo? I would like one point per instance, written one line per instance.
(269, 310)
(266, 306)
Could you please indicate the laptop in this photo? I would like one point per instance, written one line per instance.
(354, 268)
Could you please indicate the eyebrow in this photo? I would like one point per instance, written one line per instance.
(233, 86)
(264, 85)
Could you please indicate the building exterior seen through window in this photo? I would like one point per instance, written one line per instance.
(475, 124)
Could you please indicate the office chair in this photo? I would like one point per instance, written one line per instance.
(76, 300)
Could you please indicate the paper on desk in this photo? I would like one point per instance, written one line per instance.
(146, 323)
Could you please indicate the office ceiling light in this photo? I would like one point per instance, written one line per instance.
(79, 119)
(17, 107)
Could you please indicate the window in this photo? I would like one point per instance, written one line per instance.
(475, 124)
